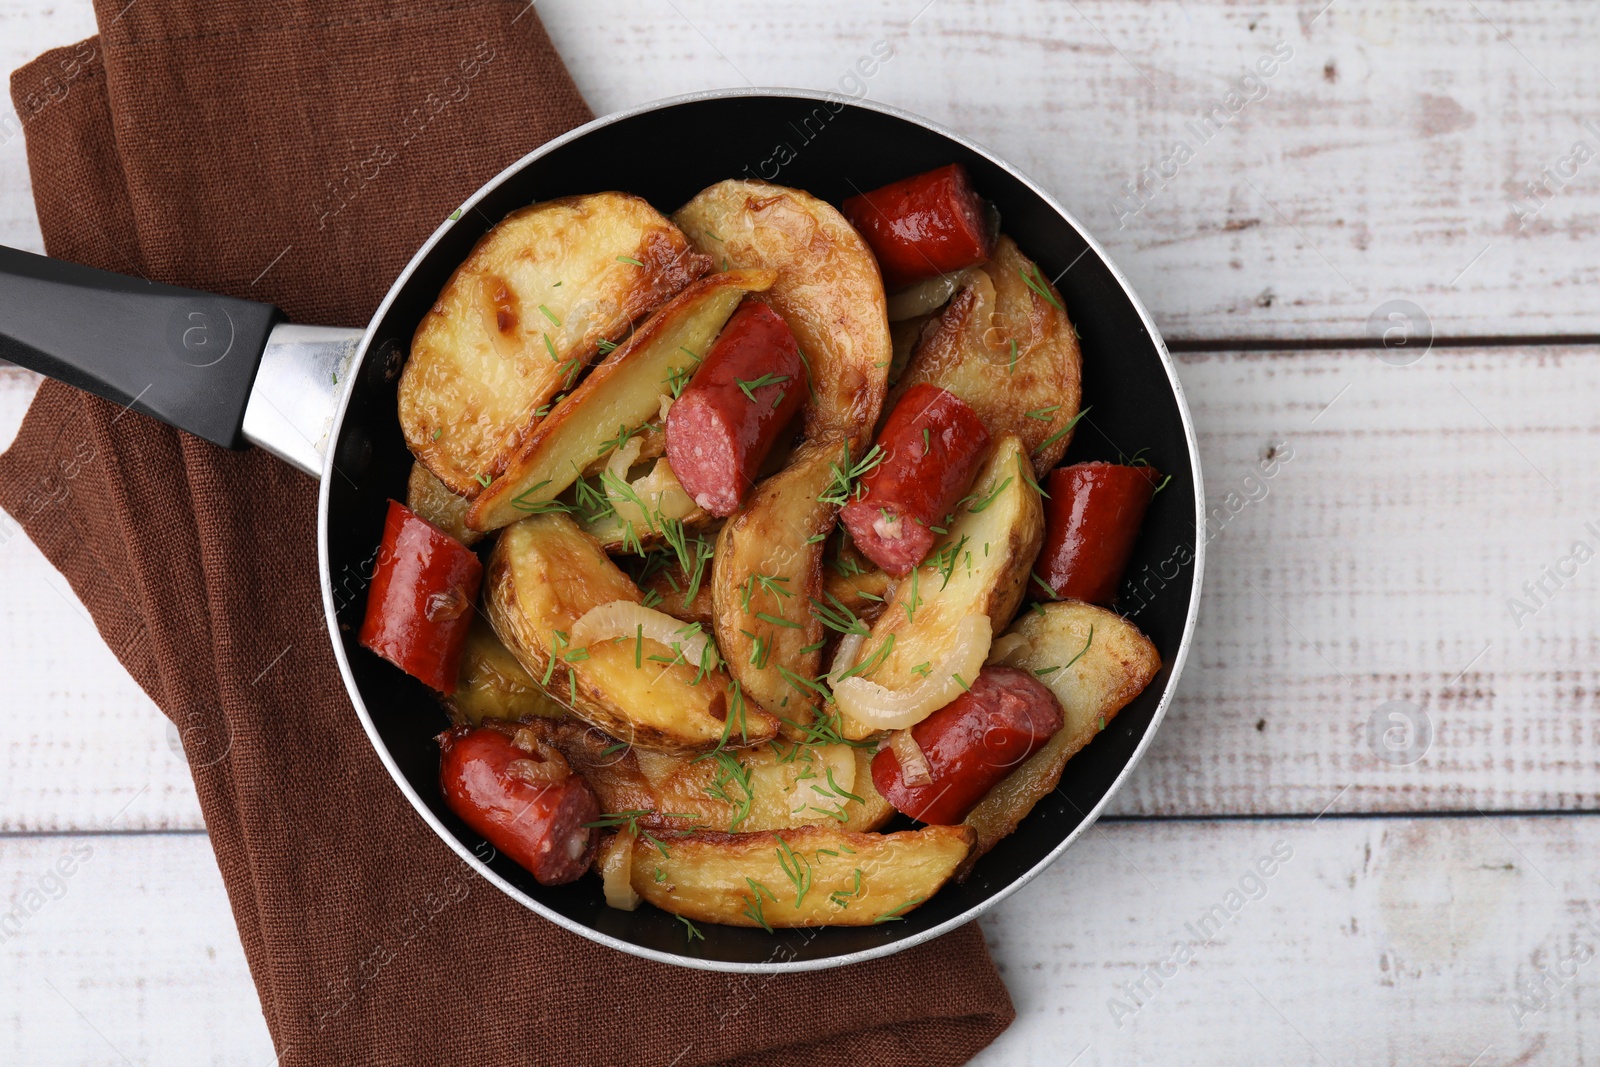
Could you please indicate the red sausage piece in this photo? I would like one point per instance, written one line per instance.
(745, 392)
(920, 478)
(922, 226)
(970, 744)
(421, 603)
(522, 797)
(1091, 521)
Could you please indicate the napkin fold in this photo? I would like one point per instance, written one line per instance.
(299, 155)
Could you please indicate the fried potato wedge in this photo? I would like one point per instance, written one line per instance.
(544, 575)
(863, 592)
(520, 319)
(1095, 662)
(772, 787)
(680, 597)
(816, 876)
(982, 566)
(766, 572)
(622, 394)
(432, 499)
(828, 290)
(493, 685)
(1032, 389)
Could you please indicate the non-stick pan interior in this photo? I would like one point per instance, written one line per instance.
(832, 149)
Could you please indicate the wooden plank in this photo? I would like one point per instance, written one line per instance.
(122, 949)
(1398, 942)
(1380, 941)
(1379, 162)
(1376, 163)
(1378, 565)
(30, 29)
(1408, 505)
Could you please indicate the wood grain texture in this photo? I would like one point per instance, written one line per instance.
(121, 949)
(29, 29)
(1375, 164)
(1378, 565)
(1380, 941)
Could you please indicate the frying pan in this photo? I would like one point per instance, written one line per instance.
(324, 400)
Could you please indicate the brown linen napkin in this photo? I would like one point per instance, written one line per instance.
(298, 156)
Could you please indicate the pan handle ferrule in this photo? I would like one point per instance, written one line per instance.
(304, 373)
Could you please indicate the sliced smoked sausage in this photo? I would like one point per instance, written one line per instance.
(419, 609)
(520, 794)
(1091, 522)
(727, 420)
(930, 446)
(970, 744)
(929, 224)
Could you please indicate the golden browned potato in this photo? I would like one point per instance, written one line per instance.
(1004, 344)
(523, 315)
(864, 592)
(678, 595)
(622, 394)
(828, 290)
(982, 566)
(543, 576)
(1095, 662)
(493, 685)
(765, 575)
(816, 876)
(433, 500)
(777, 786)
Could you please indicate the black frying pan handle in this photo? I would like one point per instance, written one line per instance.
(185, 357)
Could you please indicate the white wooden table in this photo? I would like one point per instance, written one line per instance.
(1439, 905)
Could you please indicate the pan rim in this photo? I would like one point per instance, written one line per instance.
(324, 563)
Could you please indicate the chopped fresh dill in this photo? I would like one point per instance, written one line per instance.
(753, 904)
(629, 259)
(1043, 414)
(916, 597)
(1059, 434)
(806, 363)
(796, 868)
(801, 683)
(839, 617)
(841, 790)
(1046, 585)
(872, 662)
(944, 561)
(551, 315)
(847, 475)
(1036, 282)
(990, 499)
(692, 550)
(748, 388)
(899, 913)
(843, 898)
